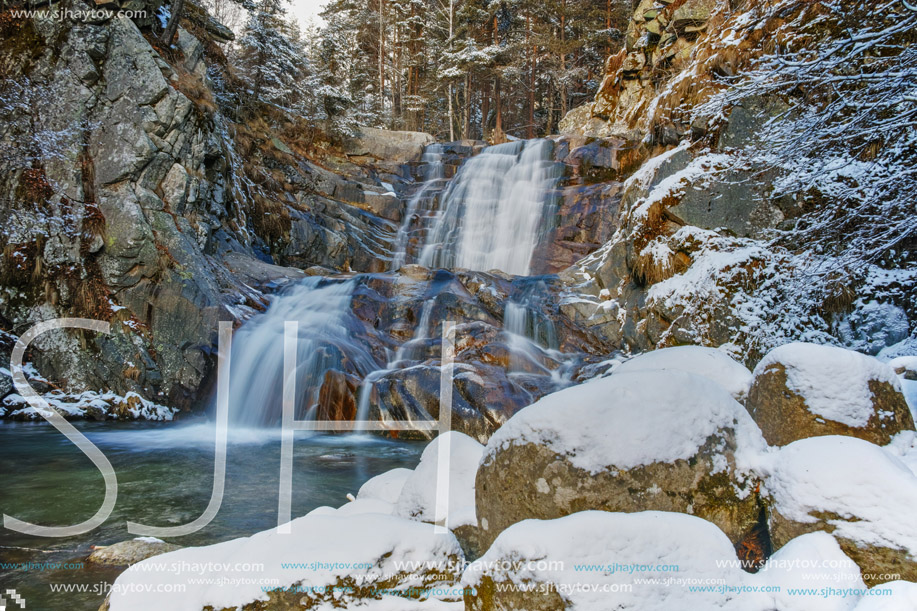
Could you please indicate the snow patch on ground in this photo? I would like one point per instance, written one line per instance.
(386, 486)
(89, 404)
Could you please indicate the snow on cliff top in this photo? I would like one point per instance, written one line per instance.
(833, 381)
(632, 419)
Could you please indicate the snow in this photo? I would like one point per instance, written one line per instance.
(901, 358)
(699, 171)
(833, 381)
(652, 416)
(360, 506)
(366, 547)
(89, 404)
(906, 347)
(710, 363)
(549, 552)
(902, 597)
(903, 446)
(418, 496)
(386, 486)
(872, 492)
(813, 560)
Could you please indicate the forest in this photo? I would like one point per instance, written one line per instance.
(458, 69)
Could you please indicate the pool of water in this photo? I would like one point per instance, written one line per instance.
(165, 474)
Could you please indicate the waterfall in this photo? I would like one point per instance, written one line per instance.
(326, 342)
(492, 213)
(433, 173)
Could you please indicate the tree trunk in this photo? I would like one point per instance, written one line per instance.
(172, 27)
(381, 60)
(530, 131)
(466, 123)
(485, 111)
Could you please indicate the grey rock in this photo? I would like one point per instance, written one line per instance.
(127, 553)
(393, 146)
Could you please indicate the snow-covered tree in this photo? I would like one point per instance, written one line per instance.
(846, 142)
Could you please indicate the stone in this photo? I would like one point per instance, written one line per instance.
(806, 390)
(692, 13)
(130, 69)
(858, 492)
(533, 565)
(174, 188)
(387, 145)
(127, 553)
(544, 463)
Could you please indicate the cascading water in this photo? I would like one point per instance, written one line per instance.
(492, 213)
(433, 173)
(326, 342)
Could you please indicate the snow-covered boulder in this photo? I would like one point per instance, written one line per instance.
(591, 560)
(661, 440)
(703, 361)
(329, 559)
(805, 390)
(126, 553)
(855, 490)
(417, 500)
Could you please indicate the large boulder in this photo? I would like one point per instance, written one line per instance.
(853, 489)
(388, 145)
(650, 440)
(805, 390)
(590, 560)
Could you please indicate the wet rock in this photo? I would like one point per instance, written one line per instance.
(806, 390)
(337, 399)
(127, 553)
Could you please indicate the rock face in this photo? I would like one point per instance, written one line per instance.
(650, 440)
(152, 210)
(806, 390)
(856, 491)
(131, 552)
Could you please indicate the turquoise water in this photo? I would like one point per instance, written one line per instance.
(165, 474)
